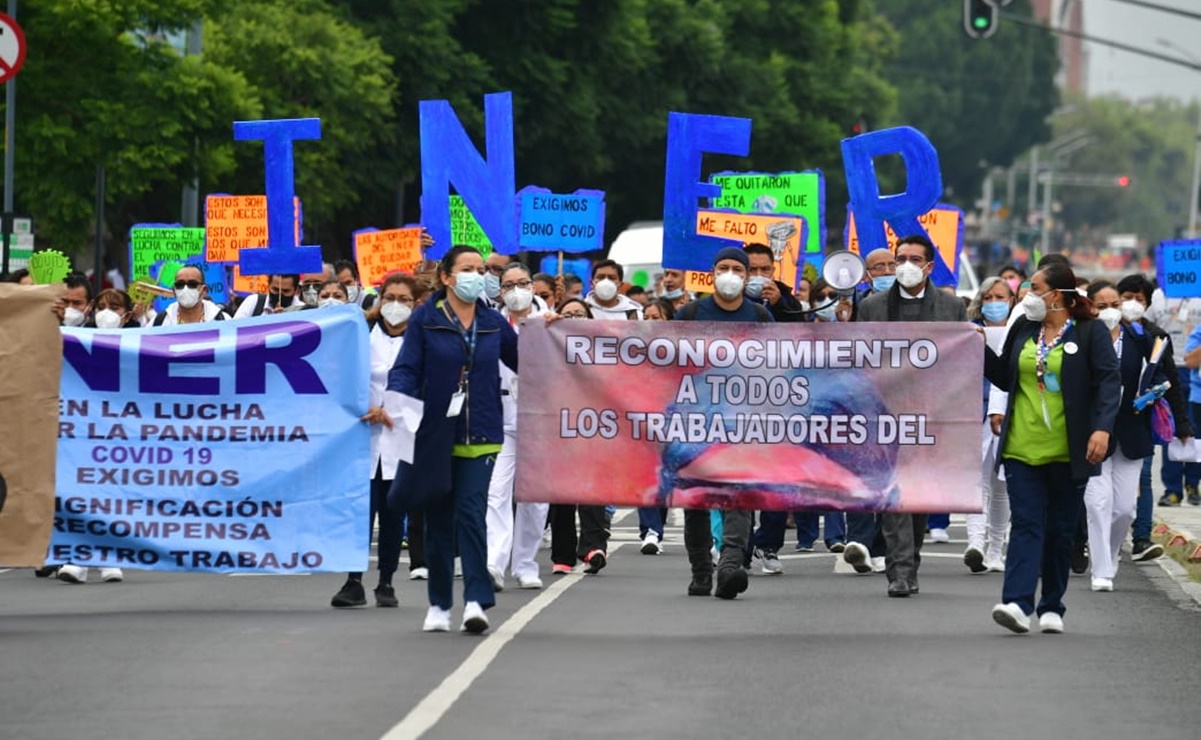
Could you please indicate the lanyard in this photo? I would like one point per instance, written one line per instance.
(469, 341)
(1042, 351)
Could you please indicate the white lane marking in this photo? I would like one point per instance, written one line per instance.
(5, 570)
(430, 710)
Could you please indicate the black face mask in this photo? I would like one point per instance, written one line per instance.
(281, 301)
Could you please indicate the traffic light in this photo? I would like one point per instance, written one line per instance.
(980, 18)
(1123, 181)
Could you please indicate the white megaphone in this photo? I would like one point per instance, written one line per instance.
(843, 271)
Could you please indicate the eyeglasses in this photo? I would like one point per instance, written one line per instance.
(193, 284)
(310, 285)
(496, 270)
(518, 284)
(883, 268)
(574, 316)
(827, 296)
(405, 300)
(902, 259)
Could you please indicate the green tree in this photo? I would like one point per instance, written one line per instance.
(981, 103)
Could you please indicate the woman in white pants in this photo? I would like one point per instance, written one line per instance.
(1111, 497)
(513, 540)
(986, 531)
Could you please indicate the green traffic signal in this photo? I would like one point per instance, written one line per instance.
(981, 23)
(980, 18)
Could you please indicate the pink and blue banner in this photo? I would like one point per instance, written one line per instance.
(224, 446)
(856, 417)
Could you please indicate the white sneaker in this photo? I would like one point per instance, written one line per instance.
(436, 620)
(419, 574)
(1011, 617)
(72, 574)
(458, 568)
(994, 564)
(1099, 584)
(715, 556)
(498, 579)
(879, 565)
(858, 557)
(529, 582)
(1051, 623)
(474, 620)
(650, 543)
(939, 536)
(769, 561)
(111, 575)
(545, 543)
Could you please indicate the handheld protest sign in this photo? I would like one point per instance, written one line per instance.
(923, 181)
(788, 193)
(281, 255)
(237, 222)
(153, 243)
(784, 235)
(689, 136)
(488, 186)
(567, 223)
(378, 253)
(216, 279)
(49, 266)
(555, 265)
(465, 229)
(1178, 268)
(944, 226)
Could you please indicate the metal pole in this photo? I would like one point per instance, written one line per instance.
(10, 128)
(98, 275)
(1011, 186)
(190, 208)
(1196, 190)
(1032, 192)
(1046, 224)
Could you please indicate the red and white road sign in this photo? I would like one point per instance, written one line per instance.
(12, 47)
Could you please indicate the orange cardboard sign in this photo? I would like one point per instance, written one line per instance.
(250, 283)
(234, 222)
(942, 224)
(782, 234)
(378, 253)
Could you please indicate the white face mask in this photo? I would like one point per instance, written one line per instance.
(352, 293)
(729, 285)
(1110, 316)
(309, 296)
(395, 313)
(804, 306)
(519, 299)
(606, 290)
(1034, 306)
(73, 316)
(910, 275)
(331, 301)
(107, 318)
(188, 297)
(1133, 311)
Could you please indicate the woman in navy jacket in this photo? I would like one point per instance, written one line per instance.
(1061, 373)
(450, 362)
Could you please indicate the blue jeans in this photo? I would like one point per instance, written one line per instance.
(938, 521)
(770, 534)
(1141, 529)
(806, 527)
(864, 528)
(650, 519)
(1045, 505)
(458, 519)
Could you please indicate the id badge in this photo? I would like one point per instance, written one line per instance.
(1052, 382)
(456, 404)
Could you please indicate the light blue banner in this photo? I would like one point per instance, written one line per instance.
(230, 446)
(572, 223)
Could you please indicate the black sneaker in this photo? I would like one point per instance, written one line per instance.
(1192, 495)
(1080, 559)
(730, 583)
(595, 562)
(702, 584)
(385, 596)
(1145, 550)
(48, 572)
(1170, 498)
(352, 594)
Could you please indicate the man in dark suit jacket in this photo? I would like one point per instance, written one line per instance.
(912, 298)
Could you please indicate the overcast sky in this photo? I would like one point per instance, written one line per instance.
(1113, 71)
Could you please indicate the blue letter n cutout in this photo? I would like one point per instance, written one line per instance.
(488, 187)
(688, 137)
(923, 189)
(281, 255)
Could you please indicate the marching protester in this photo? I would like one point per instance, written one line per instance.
(72, 309)
(591, 544)
(912, 298)
(573, 286)
(651, 519)
(191, 305)
(332, 293)
(495, 266)
(450, 362)
(762, 286)
(388, 320)
(990, 309)
(672, 288)
(280, 295)
(1059, 368)
(347, 273)
(114, 309)
(513, 536)
(728, 303)
(658, 309)
(605, 301)
(544, 289)
(310, 284)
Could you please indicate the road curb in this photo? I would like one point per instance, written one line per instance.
(1178, 542)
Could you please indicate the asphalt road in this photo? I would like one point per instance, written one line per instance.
(815, 653)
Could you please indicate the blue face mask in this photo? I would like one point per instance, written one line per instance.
(492, 286)
(828, 313)
(672, 295)
(884, 283)
(995, 312)
(469, 286)
(754, 286)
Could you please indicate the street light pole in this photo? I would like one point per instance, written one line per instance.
(1195, 191)
(10, 137)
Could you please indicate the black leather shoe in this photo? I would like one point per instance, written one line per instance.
(730, 583)
(899, 589)
(913, 587)
(702, 584)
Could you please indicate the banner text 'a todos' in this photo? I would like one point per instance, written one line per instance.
(878, 416)
(227, 446)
